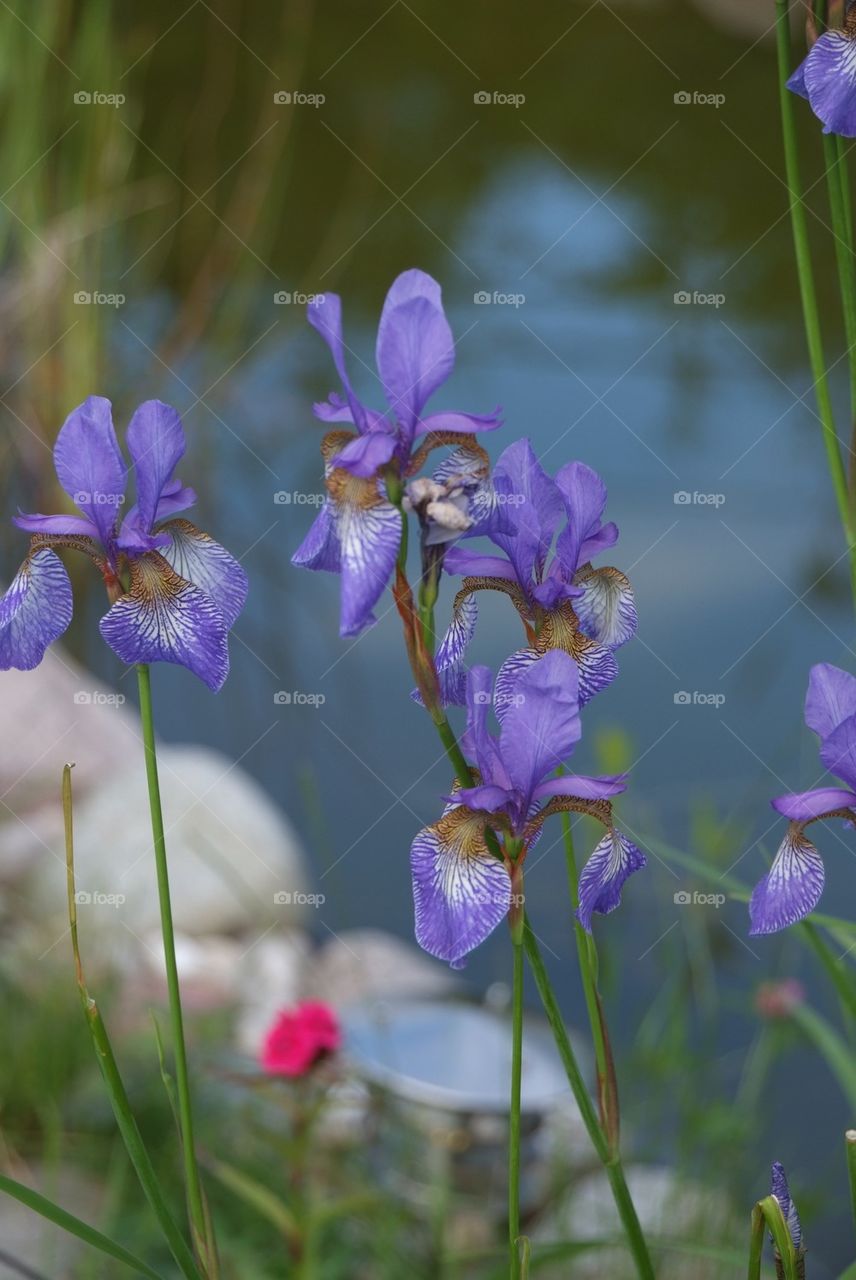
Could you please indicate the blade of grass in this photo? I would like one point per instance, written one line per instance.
(74, 1226)
(110, 1072)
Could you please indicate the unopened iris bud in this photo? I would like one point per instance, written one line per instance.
(781, 1191)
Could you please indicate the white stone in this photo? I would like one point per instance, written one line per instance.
(235, 862)
(55, 714)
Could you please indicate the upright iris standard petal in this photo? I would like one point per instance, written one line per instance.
(584, 495)
(163, 618)
(415, 347)
(198, 559)
(602, 878)
(325, 315)
(830, 698)
(542, 722)
(156, 444)
(828, 79)
(89, 465)
(35, 610)
(460, 892)
(791, 888)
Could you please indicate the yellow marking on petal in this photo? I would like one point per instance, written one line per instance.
(600, 810)
(461, 831)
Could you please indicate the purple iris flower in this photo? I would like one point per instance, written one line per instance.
(551, 530)
(358, 530)
(827, 78)
(780, 1189)
(794, 883)
(461, 891)
(175, 593)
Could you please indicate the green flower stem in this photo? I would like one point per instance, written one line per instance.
(611, 1160)
(756, 1244)
(836, 181)
(195, 1197)
(587, 956)
(808, 293)
(124, 1116)
(850, 1143)
(514, 1123)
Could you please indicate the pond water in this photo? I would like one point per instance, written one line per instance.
(643, 317)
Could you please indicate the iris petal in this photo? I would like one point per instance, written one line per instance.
(325, 315)
(156, 444)
(57, 526)
(829, 77)
(451, 669)
(320, 548)
(460, 892)
(602, 878)
(606, 609)
(35, 610)
(791, 888)
(830, 698)
(804, 806)
(90, 466)
(197, 558)
(163, 618)
(415, 348)
(542, 722)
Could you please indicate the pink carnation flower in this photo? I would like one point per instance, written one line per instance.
(299, 1037)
